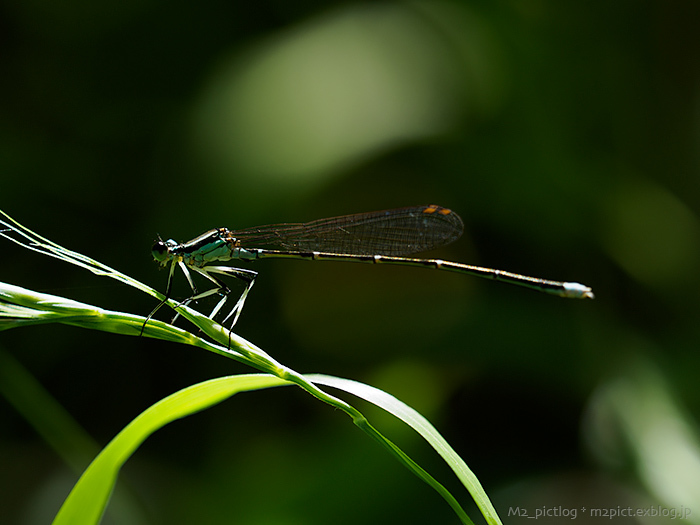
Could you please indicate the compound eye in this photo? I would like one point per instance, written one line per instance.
(161, 250)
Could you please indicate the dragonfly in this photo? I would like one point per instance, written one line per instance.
(380, 237)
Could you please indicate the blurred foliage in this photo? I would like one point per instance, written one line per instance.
(565, 134)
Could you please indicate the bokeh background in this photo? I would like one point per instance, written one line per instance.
(565, 134)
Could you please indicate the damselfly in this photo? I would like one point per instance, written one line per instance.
(377, 237)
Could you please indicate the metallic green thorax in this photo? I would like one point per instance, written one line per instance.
(215, 245)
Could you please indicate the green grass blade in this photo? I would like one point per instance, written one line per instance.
(421, 425)
(89, 497)
(19, 306)
(48, 417)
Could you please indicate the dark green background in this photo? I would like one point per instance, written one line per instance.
(564, 133)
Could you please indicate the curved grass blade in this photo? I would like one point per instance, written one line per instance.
(87, 501)
(19, 306)
(421, 425)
